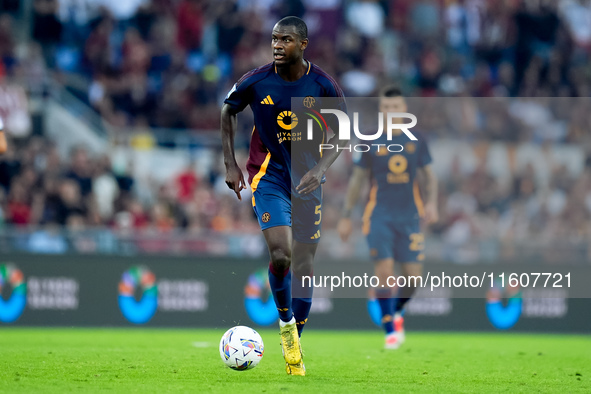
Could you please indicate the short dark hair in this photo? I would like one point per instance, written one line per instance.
(299, 24)
(392, 91)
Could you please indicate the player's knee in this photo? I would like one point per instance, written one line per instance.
(412, 269)
(302, 268)
(280, 259)
(384, 267)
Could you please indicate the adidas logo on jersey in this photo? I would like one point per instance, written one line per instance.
(316, 236)
(268, 100)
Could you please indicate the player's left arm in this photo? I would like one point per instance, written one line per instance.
(313, 178)
(358, 178)
(429, 186)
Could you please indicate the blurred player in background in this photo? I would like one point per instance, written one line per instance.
(3, 143)
(391, 220)
(282, 178)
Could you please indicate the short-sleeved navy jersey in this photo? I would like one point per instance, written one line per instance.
(395, 194)
(276, 132)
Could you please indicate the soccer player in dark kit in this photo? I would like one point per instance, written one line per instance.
(391, 220)
(285, 181)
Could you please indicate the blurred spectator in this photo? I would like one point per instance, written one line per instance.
(190, 24)
(7, 44)
(425, 18)
(70, 201)
(366, 16)
(187, 183)
(47, 29)
(14, 108)
(9, 168)
(161, 218)
(76, 17)
(80, 171)
(136, 54)
(97, 49)
(230, 26)
(577, 15)
(19, 206)
(10, 6)
(105, 189)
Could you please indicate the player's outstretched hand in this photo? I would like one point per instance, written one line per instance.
(345, 228)
(235, 179)
(431, 214)
(310, 182)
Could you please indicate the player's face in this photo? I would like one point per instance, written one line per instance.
(392, 104)
(287, 46)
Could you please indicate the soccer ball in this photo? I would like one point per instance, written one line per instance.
(241, 348)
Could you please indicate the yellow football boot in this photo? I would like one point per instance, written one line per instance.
(290, 342)
(297, 369)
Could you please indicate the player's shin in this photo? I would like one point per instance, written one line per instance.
(405, 293)
(302, 301)
(401, 302)
(384, 268)
(302, 289)
(385, 300)
(280, 282)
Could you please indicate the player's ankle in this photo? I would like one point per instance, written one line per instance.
(283, 323)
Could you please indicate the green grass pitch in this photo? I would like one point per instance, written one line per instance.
(150, 360)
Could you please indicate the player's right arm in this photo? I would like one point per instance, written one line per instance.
(237, 99)
(429, 185)
(234, 176)
(356, 183)
(3, 143)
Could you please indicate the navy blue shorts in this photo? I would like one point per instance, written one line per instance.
(274, 206)
(402, 241)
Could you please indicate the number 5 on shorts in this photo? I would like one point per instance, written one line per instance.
(318, 212)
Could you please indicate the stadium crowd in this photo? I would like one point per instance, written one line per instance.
(539, 198)
(168, 64)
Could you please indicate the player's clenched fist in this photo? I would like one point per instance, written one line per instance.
(235, 179)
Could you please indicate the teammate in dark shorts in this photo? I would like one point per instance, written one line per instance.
(391, 220)
(285, 177)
